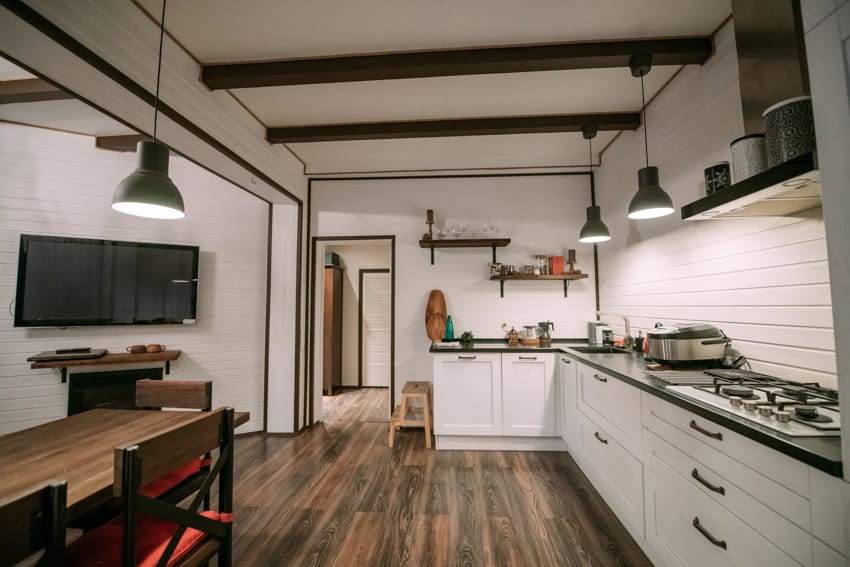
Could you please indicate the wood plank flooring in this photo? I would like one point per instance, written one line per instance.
(336, 495)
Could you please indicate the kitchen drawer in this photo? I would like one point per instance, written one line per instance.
(791, 538)
(615, 472)
(747, 478)
(675, 507)
(613, 404)
(788, 472)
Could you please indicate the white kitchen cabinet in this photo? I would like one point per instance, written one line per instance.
(685, 527)
(528, 394)
(613, 404)
(615, 472)
(467, 394)
(568, 418)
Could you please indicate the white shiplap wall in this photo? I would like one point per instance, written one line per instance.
(58, 184)
(764, 281)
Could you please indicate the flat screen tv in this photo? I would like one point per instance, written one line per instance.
(69, 282)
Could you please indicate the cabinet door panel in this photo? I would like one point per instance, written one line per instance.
(570, 428)
(528, 396)
(467, 395)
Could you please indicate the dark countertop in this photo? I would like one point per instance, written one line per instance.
(823, 453)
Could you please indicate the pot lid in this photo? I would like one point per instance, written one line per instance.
(686, 331)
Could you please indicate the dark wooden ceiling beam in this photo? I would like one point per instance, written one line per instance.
(474, 61)
(30, 90)
(454, 127)
(125, 143)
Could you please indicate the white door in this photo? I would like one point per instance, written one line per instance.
(376, 328)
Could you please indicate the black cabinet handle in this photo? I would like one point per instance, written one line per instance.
(461, 357)
(600, 439)
(565, 361)
(718, 542)
(706, 432)
(528, 358)
(708, 485)
(600, 378)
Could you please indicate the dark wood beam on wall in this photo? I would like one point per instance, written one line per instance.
(126, 143)
(454, 127)
(30, 90)
(445, 63)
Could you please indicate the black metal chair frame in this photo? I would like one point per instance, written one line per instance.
(33, 521)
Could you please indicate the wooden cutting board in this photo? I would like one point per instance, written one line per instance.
(435, 315)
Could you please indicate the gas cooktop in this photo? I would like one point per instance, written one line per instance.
(797, 410)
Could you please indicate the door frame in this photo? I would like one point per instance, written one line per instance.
(311, 320)
(360, 274)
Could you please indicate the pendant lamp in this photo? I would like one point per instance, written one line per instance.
(594, 230)
(148, 191)
(651, 200)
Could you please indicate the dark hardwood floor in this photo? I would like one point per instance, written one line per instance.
(337, 495)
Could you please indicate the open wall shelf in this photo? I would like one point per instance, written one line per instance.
(464, 243)
(566, 278)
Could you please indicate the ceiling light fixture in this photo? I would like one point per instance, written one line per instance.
(148, 191)
(594, 230)
(650, 201)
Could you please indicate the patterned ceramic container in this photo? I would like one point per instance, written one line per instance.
(789, 129)
(749, 156)
(717, 177)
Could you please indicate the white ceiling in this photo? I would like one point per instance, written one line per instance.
(215, 31)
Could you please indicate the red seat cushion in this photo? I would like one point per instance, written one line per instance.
(166, 482)
(102, 547)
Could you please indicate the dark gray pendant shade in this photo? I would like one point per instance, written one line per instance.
(148, 191)
(651, 200)
(594, 230)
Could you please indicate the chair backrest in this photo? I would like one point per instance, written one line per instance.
(32, 521)
(186, 394)
(138, 463)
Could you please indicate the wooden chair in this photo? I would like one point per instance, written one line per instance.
(151, 531)
(183, 394)
(181, 482)
(34, 521)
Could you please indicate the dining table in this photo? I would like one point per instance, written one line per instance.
(79, 449)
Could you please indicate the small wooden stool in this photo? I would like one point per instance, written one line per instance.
(413, 414)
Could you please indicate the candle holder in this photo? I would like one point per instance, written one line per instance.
(429, 220)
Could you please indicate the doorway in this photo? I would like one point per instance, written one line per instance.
(374, 328)
(367, 342)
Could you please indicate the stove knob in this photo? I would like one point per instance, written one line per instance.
(783, 416)
(736, 401)
(750, 405)
(765, 411)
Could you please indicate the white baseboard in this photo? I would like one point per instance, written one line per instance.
(478, 443)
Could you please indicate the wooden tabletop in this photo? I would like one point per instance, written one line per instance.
(79, 450)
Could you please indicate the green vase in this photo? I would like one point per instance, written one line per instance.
(450, 330)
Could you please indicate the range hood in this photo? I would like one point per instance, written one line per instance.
(783, 190)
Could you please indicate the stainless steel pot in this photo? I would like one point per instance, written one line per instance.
(686, 343)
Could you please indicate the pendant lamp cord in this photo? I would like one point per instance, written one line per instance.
(645, 137)
(159, 68)
(592, 184)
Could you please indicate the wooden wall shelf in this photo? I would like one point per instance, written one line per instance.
(566, 278)
(112, 358)
(464, 243)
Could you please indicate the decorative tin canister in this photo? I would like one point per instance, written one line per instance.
(717, 177)
(789, 129)
(749, 156)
